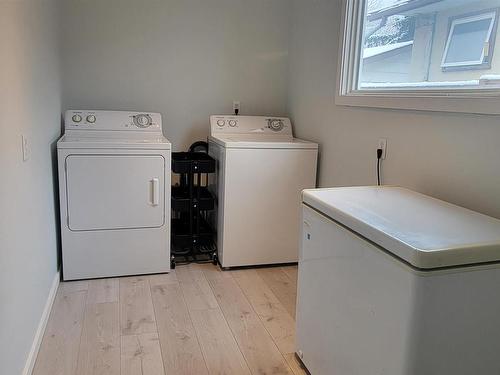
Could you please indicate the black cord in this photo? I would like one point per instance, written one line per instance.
(378, 172)
(379, 157)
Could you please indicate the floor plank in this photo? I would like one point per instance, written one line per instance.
(282, 286)
(212, 272)
(103, 290)
(179, 345)
(141, 355)
(195, 287)
(100, 342)
(218, 345)
(188, 273)
(58, 353)
(163, 278)
(294, 364)
(292, 272)
(73, 286)
(278, 322)
(258, 348)
(136, 307)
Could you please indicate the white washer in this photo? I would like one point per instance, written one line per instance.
(261, 171)
(397, 283)
(114, 185)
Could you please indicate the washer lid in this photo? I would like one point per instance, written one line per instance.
(260, 141)
(149, 143)
(425, 232)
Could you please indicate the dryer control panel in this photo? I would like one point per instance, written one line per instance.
(227, 124)
(112, 120)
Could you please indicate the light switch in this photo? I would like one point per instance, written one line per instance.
(26, 148)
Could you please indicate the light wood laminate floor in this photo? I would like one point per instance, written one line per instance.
(195, 320)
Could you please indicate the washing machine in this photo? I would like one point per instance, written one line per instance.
(261, 171)
(114, 186)
(394, 282)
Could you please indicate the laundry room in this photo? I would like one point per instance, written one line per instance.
(249, 187)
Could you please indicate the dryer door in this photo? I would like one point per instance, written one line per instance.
(115, 191)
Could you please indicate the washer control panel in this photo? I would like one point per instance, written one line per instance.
(221, 124)
(112, 120)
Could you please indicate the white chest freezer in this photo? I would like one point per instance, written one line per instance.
(392, 282)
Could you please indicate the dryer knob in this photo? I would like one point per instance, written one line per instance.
(142, 121)
(91, 119)
(221, 123)
(76, 118)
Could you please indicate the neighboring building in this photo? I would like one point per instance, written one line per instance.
(389, 63)
(450, 41)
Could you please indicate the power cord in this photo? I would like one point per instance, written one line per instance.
(379, 158)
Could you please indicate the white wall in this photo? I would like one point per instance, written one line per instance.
(30, 104)
(184, 58)
(455, 157)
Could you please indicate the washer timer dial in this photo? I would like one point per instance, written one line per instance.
(142, 121)
(276, 124)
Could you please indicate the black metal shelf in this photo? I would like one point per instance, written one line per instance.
(200, 198)
(183, 237)
(192, 162)
(191, 234)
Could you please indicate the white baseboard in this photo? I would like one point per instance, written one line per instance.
(37, 341)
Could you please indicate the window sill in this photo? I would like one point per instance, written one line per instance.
(441, 102)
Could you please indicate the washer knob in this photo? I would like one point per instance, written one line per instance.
(276, 125)
(232, 123)
(91, 119)
(142, 121)
(221, 122)
(76, 118)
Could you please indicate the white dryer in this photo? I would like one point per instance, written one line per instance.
(114, 185)
(261, 171)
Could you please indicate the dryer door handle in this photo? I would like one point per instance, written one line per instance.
(155, 189)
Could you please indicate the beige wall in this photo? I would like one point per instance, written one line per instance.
(30, 104)
(184, 58)
(441, 37)
(450, 156)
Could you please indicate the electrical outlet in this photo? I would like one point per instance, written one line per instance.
(236, 106)
(382, 144)
(26, 147)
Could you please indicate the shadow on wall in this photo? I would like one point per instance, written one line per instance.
(55, 181)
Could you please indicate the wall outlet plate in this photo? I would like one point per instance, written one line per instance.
(236, 105)
(382, 144)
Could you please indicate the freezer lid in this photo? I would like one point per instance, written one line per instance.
(425, 232)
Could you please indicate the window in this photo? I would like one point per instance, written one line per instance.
(469, 41)
(420, 54)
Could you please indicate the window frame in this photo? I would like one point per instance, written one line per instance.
(491, 14)
(466, 99)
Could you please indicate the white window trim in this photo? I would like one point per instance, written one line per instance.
(460, 21)
(462, 99)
